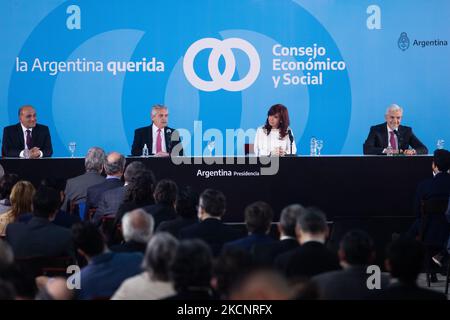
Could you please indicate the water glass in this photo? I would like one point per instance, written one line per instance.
(72, 148)
(319, 146)
(440, 144)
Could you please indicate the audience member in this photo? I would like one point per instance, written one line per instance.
(165, 195)
(7, 182)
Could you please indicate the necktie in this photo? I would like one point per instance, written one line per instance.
(158, 141)
(28, 139)
(392, 140)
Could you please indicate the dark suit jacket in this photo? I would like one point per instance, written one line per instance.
(76, 188)
(378, 139)
(161, 212)
(347, 284)
(39, 237)
(174, 226)
(248, 242)
(94, 193)
(213, 231)
(308, 260)
(130, 246)
(109, 202)
(266, 253)
(13, 142)
(145, 136)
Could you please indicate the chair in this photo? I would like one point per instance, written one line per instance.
(44, 266)
(249, 149)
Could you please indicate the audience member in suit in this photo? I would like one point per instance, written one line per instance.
(211, 229)
(392, 134)
(111, 200)
(21, 205)
(7, 182)
(356, 253)
(229, 269)
(165, 195)
(76, 188)
(186, 212)
(161, 140)
(258, 218)
(105, 270)
(137, 229)
(431, 199)
(27, 136)
(154, 283)
(312, 257)
(191, 271)
(404, 261)
(114, 166)
(266, 253)
(263, 285)
(139, 194)
(40, 237)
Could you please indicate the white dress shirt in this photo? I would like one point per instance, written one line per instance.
(389, 137)
(155, 136)
(265, 145)
(21, 155)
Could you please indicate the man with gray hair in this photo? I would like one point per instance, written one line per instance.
(158, 137)
(114, 167)
(137, 229)
(111, 200)
(76, 188)
(390, 135)
(265, 254)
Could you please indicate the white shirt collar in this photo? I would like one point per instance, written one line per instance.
(25, 129)
(155, 129)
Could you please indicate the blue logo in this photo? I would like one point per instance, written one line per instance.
(403, 41)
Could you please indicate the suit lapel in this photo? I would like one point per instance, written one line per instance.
(20, 136)
(150, 139)
(385, 136)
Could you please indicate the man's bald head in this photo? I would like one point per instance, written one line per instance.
(115, 164)
(27, 116)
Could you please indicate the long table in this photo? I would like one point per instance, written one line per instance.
(342, 186)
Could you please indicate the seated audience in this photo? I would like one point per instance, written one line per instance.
(7, 182)
(312, 257)
(211, 229)
(137, 229)
(165, 195)
(153, 283)
(21, 205)
(105, 270)
(40, 237)
(266, 253)
(186, 212)
(258, 218)
(356, 253)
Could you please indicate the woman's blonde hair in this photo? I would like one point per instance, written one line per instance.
(21, 198)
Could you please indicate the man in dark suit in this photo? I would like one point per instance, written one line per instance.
(356, 253)
(266, 253)
(76, 188)
(161, 140)
(114, 166)
(211, 229)
(392, 134)
(165, 195)
(258, 219)
(312, 257)
(27, 139)
(40, 237)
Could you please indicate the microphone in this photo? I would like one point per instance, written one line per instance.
(291, 139)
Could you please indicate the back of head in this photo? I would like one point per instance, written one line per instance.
(59, 184)
(441, 159)
(186, 203)
(95, 159)
(141, 188)
(258, 217)
(21, 198)
(191, 265)
(263, 285)
(288, 218)
(404, 259)
(165, 192)
(88, 238)
(46, 202)
(115, 164)
(7, 182)
(159, 255)
(133, 170)
(137, 225)
(358, 248)
(213, 202)
(313, 221)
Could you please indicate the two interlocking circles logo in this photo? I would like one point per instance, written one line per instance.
(221, 80)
